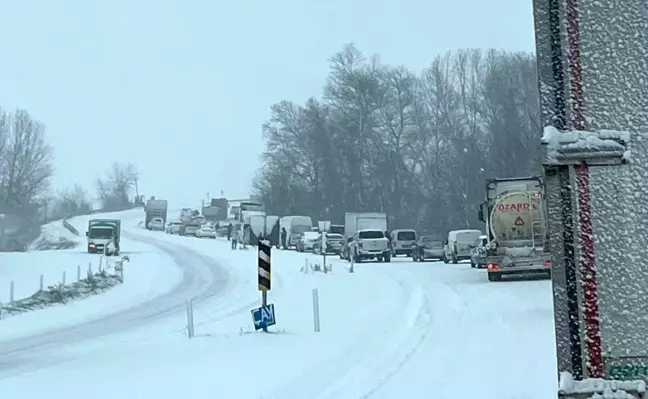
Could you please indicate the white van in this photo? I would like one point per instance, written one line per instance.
(457, 246)
(402, 241)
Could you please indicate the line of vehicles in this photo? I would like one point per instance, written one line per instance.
(514, 213)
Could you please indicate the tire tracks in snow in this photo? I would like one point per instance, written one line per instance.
(203, 279)
(370, 361)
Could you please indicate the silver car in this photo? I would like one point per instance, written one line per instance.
(478, 252)
(156, 224)
(174, 227)
(427, 248)
(206, 231)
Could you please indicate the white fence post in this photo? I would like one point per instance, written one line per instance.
(306, 266)
(63, 278)
(11, 293)
(41, 283)
(190, 322)
(78, 273)
(89, 269)
(316, 315)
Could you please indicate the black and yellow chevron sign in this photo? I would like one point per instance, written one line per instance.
(264, 266)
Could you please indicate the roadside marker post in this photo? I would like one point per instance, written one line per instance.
(264, 273)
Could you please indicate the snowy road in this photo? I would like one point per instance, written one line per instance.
(462, 337)
(490, 340)
(394, 330)
(202, 278)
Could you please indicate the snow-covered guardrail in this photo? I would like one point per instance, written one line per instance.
(108, 274)
(70, 228)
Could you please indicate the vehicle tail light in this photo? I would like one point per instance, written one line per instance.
(493, 266)
(547, 263)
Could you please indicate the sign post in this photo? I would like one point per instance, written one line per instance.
(324, 226)
(324, 248)
(264, 274)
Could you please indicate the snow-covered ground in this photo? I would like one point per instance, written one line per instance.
(148, 274)
(394, 330)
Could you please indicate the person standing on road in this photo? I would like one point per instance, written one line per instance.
(229, 231)
(245, 236)
(234, 234)
(284, 235)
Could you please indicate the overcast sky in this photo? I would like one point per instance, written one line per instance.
(180, 88)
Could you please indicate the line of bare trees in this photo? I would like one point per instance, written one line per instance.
(417, 146)
(114, 192)
(26, 170)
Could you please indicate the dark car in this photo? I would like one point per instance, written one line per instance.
(427, 247)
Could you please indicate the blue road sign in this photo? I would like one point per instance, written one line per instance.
(263, 317)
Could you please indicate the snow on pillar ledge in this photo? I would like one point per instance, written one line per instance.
(605, 147)
(600, 388)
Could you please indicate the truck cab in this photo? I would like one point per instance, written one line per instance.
(103, 236)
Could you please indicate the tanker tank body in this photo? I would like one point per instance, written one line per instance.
(514, 213)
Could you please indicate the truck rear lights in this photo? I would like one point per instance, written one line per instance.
(547, 263)
(493, 266)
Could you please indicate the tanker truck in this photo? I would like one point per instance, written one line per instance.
(515, 217)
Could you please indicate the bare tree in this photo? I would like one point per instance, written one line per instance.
(416, 146)
(71, 201)
(27, 159)
(115, 188)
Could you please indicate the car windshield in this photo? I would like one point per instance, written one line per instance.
(406, 236)
(334, 236)
(371, 234)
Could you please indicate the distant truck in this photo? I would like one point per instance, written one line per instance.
(364, 221)
(336, 229)
(516, 225)
(267, 226)
(155, 208)
(216, 210)
(295, 226)
(100, 233)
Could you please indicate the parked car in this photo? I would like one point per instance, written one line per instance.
(402, 242)
(206, 231)
(478, 252)
(174, 227)
(369, 244)
(156, 224)
(333, 244)
(427, 247)
(307, 241)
